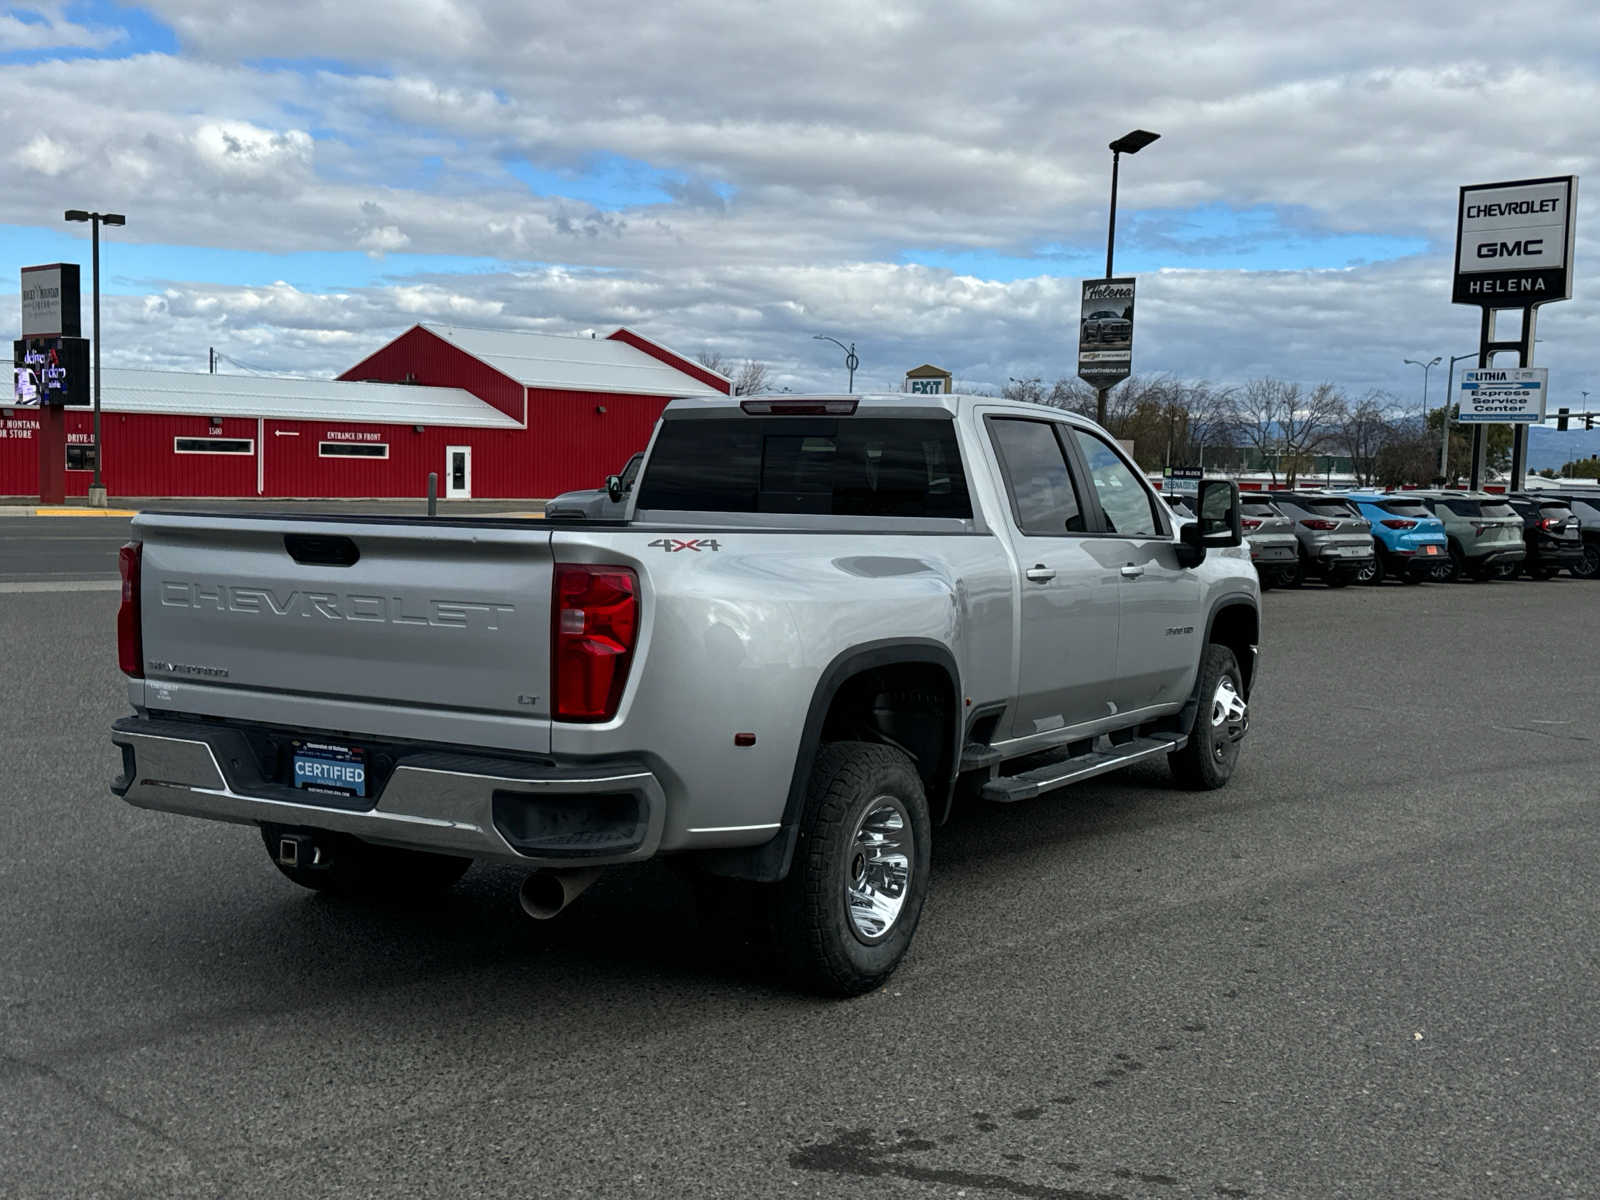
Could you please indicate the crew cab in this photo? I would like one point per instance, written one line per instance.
(820, 621)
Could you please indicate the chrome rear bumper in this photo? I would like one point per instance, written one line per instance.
(447, 803)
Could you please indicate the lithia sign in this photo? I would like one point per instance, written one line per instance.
(1514, 242)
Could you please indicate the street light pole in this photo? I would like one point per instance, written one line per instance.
(97, 491)
(1449, 398)
(1129, 143)
(851, 362)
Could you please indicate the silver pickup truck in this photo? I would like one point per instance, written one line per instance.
(822, 621)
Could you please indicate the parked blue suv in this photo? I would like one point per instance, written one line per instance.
(1409, 540)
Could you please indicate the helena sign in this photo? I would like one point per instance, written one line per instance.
(1105, 332)
(1514, 242)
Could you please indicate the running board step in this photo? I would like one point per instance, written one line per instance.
(977, 757)
(1007, 789)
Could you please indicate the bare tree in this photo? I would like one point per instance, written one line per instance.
(1365, 430)
(749, 377)
(1074, 395)
(1285, 425)
(1029, 390)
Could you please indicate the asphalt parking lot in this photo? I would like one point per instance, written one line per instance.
(1365, 968)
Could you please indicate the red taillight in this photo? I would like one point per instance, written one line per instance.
(1399, 523)
(595, 620)
(1550, 523)
(130, 643)
(1319, 523)
(1250, 522)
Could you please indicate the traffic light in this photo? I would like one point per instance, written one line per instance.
(1561, 419)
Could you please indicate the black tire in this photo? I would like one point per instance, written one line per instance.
(1481, 572)
(1340, 577)
(1209, 757)
(358, 868)
(1457, 568)
(1265, 579)
(1589, 568)
(1412, 576)
(1292, 577)
(1542, 574)
(826, 946)
(1374, 574)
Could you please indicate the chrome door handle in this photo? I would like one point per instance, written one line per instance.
(1039, 573)
(1132, 572)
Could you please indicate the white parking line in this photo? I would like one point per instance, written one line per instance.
(62, 585)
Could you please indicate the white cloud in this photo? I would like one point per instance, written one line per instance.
(47, 156)
(245, 154)
(382, 240)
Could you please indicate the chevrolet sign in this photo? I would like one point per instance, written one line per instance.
(1514, 242)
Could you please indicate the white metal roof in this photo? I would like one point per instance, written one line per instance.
(129, 391)
(568, 363)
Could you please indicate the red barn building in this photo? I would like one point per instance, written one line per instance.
(496, 414)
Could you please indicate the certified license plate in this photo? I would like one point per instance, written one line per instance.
(336, 770)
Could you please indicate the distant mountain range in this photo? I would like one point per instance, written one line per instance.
(1549, 447)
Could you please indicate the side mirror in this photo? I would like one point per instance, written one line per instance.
(1216, 524)
(614, 489)
(1217, 513)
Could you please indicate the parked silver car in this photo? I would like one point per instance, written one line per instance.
(1274, 548)
(1335, 539)
(1485, 533)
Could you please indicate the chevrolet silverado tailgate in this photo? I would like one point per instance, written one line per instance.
(433, 630)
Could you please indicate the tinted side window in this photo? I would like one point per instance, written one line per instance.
(847, 467)
(1122, 497)
(1044, 497)
(1462, 508)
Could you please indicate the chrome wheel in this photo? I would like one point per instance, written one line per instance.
(878, 875)
(1366, 573)
(1230, 716)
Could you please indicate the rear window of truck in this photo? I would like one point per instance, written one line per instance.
(845, 466)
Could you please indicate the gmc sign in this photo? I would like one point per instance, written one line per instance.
(1514, 242)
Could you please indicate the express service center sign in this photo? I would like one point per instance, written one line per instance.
(1503, 395)
(1105, 331)
(1514, 242)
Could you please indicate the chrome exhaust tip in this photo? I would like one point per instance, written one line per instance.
(545, 893)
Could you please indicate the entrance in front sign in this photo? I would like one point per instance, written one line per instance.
(458, 472)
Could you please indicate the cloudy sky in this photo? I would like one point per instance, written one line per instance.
(304, 179)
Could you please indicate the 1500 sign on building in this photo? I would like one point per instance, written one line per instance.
(1514, 242)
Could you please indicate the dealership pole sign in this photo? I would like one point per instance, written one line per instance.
(1105, 331)
(50, 359)
(1514, 242)
(50, 303)
(1503, 395)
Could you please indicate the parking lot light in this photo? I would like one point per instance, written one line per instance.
(1131, 142)
(97, 491)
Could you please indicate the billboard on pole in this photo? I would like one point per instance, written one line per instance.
(50, 303)
(1514, 242)
(1105, 331)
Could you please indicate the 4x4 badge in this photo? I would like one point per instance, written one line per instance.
(674, 545)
